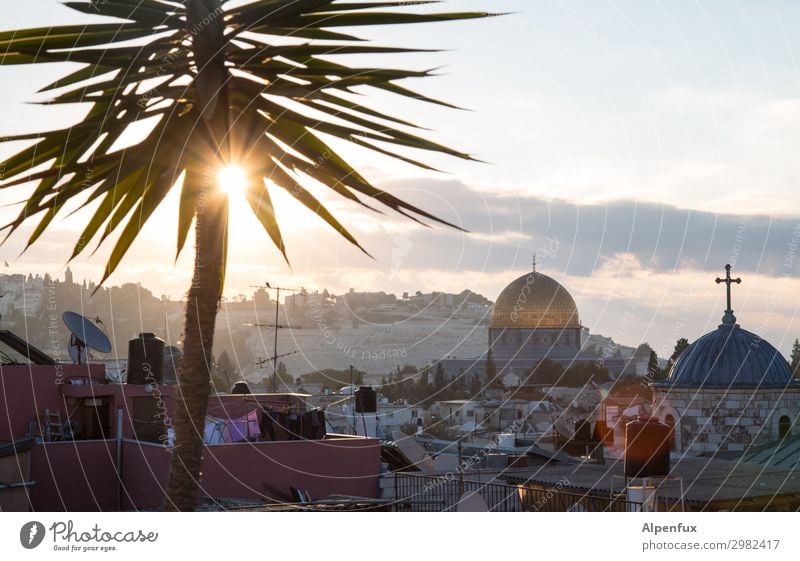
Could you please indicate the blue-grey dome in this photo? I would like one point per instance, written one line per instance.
(730, 357)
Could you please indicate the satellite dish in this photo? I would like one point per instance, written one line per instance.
(84, 334)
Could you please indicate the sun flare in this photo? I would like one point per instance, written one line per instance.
(232, 180)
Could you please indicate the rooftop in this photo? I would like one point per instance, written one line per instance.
(705, 480)
(785, 454)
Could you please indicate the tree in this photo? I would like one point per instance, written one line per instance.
(643, 351)
(680, 346)
(653, 371)
(223, 373)
(582, 373)
(424, 377)
(461, 385)
(795, 364)
(423, 390)
(284, 378)
(226, 368)
(193, 76)
(546, 372)
(282, 372)
(474, 387)
(491, 372)
(439, 381)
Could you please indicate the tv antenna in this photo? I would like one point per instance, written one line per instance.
(277, 326)
(268, 325)
(266, 359)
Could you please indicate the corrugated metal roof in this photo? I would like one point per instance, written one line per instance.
(785, 453)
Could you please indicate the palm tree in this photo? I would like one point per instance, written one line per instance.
(251, 85)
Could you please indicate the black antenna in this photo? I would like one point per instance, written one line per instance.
(266, 359)
(268, 325)
(277, 290)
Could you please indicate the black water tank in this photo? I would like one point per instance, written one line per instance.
(145, 359)
(366, 400)
(646, 448)
(583, 431)
(241, 388)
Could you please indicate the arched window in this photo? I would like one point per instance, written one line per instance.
(784, 427)
(670, 421)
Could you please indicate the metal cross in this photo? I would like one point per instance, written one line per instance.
(728, 281)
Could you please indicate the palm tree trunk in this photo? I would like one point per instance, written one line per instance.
(194, 368)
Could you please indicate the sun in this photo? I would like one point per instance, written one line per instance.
(232, 180)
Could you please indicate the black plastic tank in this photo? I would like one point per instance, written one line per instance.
(366, 400)
(583, 431)
(145, 359)
(241, 388)
(647, 443)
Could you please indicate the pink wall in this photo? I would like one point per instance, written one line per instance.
(81, 475)
(267, 469)
(74, 476)
(27, 390)
(258, 471)
(145, 467)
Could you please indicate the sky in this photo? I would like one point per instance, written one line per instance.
(635, 146)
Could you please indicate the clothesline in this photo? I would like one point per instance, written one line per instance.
(275, 424)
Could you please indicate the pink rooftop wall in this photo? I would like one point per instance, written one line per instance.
(260, 471)
(74, 476)
(82, 475)
(26, 391)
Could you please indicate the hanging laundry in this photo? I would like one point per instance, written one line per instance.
(244, 428)
(295, 426)
(267, 425)
(214, 431)
(313, 424)
(274, 425)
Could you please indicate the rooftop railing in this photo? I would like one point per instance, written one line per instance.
(443, 493)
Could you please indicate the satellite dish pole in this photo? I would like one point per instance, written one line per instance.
(79, 346)
(84, 335)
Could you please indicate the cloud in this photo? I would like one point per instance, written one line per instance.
(580, 239)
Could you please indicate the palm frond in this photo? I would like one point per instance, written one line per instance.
(169, 67)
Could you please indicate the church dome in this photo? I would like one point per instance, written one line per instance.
(730, 357)
(534, 300)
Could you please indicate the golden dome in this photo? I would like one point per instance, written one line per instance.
(534, 300)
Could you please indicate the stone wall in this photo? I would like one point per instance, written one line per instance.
(534, 344)
(727, 420)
